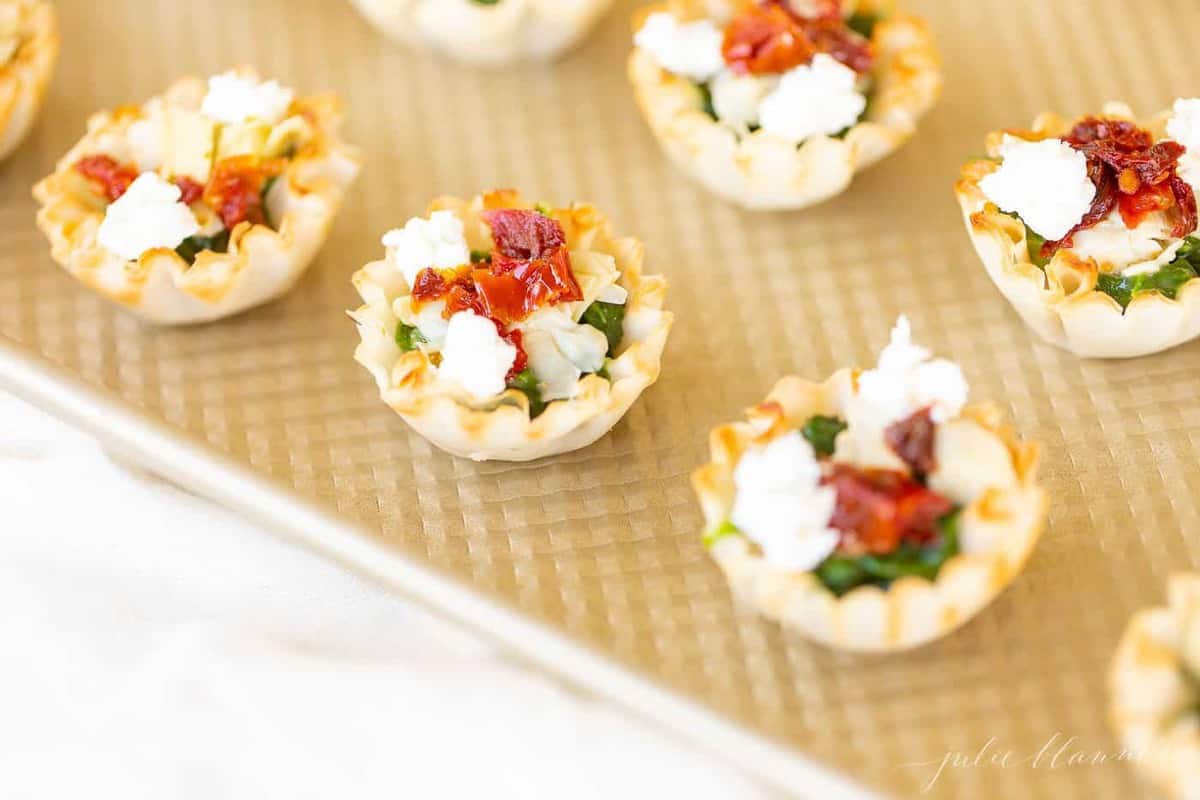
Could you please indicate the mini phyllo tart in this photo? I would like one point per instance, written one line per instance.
(1155, 687)
(503, 331)
(201, 203)
(28, 52)
(487, 31)
(776, 104)
(874, 511)
(1089, 227)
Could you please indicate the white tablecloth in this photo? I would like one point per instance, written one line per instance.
(156, 646)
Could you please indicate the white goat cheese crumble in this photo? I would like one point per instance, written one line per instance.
(813, 99)
(781, 505)
(148, 216)
(438, 242)
(1112, 244)
(907, 381)
(1046, 183)
(475, 357)
(561, 351)
(690, 49)
(1184, 127)
(736, 98)
(234, 98)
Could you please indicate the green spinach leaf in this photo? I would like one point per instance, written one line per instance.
(821, 432)
(193, 246)
(609, 319)
(527, 383)
(408, 337)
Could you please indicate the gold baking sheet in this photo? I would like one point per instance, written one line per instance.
(602, 546)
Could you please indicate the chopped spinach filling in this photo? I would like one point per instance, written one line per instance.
(863, 24)
(821, 432)
(722, 531)
(1166, 281)
(706, 101)
(609, 319)
(527, 383)
(193, 246)
(266, 209)
(840, 574)
(408, 337)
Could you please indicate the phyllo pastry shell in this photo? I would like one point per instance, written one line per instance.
(504, 331)
(874, 511)
(787, 123)
(201, 203)
(1155, 687)
(487, 32)
(28, 52)
(1088, 227)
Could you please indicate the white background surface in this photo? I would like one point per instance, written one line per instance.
(156, 646)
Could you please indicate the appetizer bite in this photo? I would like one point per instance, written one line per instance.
(1088, 227)
(776, 104)
(1155, 688)
(500, 330)
(487, 31)
(201, 203)
(28, 52)
(875, 511)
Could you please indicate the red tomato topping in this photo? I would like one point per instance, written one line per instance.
(515, 338)
(1133, 174)
(913, 439)
(192, 190)
(530, 269)
(461, 293)
(770, 38)
(108, 175)
(235, 189)
(524, 235)
(878, 509)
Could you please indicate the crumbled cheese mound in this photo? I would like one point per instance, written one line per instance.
(438, 242)
(1184, 127)
(1113, 245)
(234, 98)
(1046, 183)
(690, 49)
(561, 351)
(781, 505)
(147, 217)
(813, 99)
(736, 98)
(475, 357)
(907, 381)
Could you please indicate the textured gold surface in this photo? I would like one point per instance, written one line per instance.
(604, 543)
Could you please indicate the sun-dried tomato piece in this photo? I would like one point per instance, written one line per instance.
(771, 37)
(517, 340)
(913, 439)
(877, 510)
(1132, 173)
(111, 177)
(191, 190)
(523, 235)
(764, 40)
(235, 188)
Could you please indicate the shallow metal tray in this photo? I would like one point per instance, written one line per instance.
(590, 564)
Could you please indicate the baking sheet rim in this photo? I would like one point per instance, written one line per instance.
(209, 473)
